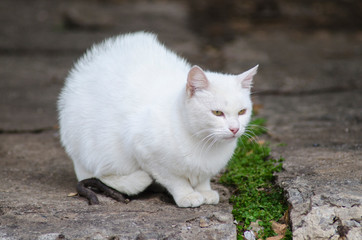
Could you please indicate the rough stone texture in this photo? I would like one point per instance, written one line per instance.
(28, 90)
(309, 88)
(312, 101)
(323, 166)
(34, 202)
(293, 62)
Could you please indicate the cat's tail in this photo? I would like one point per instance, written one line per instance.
(131, 184)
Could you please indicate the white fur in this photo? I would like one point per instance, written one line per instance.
(132, 111)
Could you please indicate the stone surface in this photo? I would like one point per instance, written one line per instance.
(29, 89)
(37, 177)
(309, 90)
(43, 29)
(296, 63)
(318, 132)
(323, 166)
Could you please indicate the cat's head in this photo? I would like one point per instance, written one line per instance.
(218, 106)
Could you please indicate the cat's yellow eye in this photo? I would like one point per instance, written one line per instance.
(218, 113)
(242, 112)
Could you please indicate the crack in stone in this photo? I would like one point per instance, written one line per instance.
(342, 230)
(23, 131)
(39, 52)
(336, 89)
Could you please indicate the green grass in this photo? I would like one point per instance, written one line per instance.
(250, 172)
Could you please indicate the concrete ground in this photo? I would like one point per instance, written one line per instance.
(308, 88)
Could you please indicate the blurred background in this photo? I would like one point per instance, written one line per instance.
(301, 46)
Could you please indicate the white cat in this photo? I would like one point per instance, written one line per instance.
(132, 111)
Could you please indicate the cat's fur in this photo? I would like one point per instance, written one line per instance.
(132, 111)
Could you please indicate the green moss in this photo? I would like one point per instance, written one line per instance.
(282, 145)
(251, 172)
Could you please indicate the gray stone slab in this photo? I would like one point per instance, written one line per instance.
(29, 89)
(41, 25)
(320, 138)
(331, 120)
(309, 90)
(293, 62)
(37, 176)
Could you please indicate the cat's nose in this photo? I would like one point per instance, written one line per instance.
(234, 130)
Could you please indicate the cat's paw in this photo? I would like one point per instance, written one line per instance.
(194, 199)
(210, 197)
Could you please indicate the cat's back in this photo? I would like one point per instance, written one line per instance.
(122, 78)
(132, 62)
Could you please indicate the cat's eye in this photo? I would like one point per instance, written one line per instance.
(242, 112)
(218, 113)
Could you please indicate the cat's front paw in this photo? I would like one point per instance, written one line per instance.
(210, 197)
(194, 199)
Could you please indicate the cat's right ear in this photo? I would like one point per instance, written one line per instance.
(196, 80)
(246, 78)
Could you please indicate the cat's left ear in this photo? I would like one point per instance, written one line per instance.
(246, 78)
(196, 80)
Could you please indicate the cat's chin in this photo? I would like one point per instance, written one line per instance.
(229, 138)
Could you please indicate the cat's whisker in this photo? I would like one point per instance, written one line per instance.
(203, 142)
(209, 138)
(251, 137)
(254, 126)
(210, 145)
(250, 133)
(200, 132)
(213, 137)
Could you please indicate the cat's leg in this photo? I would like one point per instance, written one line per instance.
(210, 196)
(131, 184)
(182, 192)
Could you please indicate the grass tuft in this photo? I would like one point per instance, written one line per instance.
(251, 172)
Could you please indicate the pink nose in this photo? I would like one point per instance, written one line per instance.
(234, 130)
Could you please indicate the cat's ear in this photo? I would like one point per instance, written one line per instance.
(246, 78)
(196, 80)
